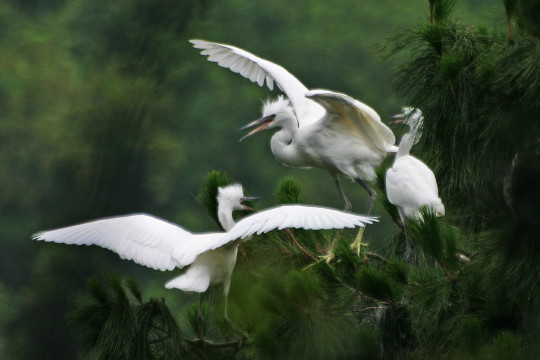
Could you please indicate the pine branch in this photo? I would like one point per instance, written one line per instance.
(291, 235)
(237, 344)
(377, 257)
(208, 192)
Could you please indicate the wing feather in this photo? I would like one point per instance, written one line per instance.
(291, 216)
(198, 244)
(143, 238)
(354, 118)
(246, 64)
(261, 77)
(269, 82)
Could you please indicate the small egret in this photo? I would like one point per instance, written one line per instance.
(318, 128)
(410, 184)
(161, 245)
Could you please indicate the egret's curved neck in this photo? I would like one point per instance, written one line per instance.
(225, 216)
(282, 143)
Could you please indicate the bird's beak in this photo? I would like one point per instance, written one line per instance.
(398, 119)
(261, 124)
(250, 198)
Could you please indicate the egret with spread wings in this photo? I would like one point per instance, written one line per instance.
(318, 128)
(211, 257)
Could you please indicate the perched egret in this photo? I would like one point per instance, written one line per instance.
(410, 184)
(161, 245)
(318, 128)
(412, 117)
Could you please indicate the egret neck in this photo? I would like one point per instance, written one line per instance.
(225, 215)
(283, 146)
(405, 145)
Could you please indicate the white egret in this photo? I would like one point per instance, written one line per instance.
(318, 128)
(161, 245)
(410, 184)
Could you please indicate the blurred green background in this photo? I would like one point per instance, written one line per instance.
(106, 109)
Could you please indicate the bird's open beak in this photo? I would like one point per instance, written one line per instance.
(261, 124)
(398, 119)
(250, 198)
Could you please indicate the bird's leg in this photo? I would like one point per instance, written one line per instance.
(372, 194)
(331, 252)
(409, 254)
(235, 327)
(200, 320)
(357, 243)
(348, 206)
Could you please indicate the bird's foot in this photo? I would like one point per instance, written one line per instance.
(244, 335)
(357, 244)
(328, 257)
(201, 337)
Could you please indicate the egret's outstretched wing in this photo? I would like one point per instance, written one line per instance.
(293, 216)
(355, 118)
(187, 252)
(260, 70)
(145, 239)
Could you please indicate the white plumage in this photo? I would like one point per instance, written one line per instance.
(319, 128)
(410, 184)
(161, 245)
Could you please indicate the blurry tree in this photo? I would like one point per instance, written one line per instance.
(87, 132)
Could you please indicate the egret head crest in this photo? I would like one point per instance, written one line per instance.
(413, 116)
(231, 194)
(279, 105)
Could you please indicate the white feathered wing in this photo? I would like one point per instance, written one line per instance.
(161, 245)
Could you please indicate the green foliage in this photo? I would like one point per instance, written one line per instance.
(208, 192)
(379, 285)
(119, 325)
(469, 337)
(511, 7)
(436, 239)
(301, 322)
(288, 191)
(440, 10)
(367, 344)
(397, 270)
(528, 17)
(504, 347)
